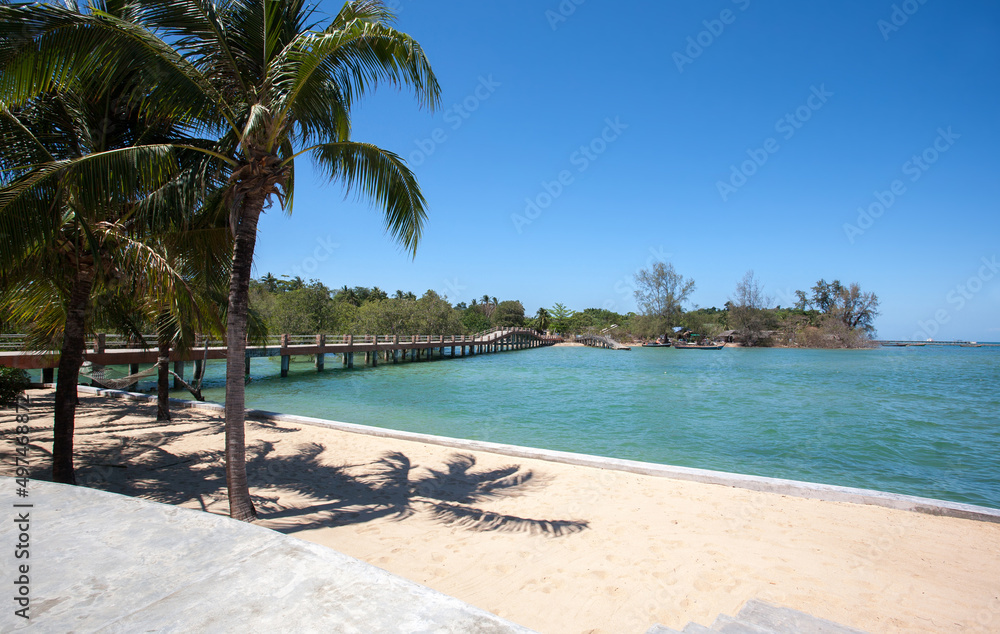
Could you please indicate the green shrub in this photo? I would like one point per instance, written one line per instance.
(13, 383)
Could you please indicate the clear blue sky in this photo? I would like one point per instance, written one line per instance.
(644, 128)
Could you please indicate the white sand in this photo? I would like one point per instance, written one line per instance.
(554, 547)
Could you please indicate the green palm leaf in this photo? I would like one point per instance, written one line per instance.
(384, 178)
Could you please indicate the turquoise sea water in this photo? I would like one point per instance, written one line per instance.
(923, 421)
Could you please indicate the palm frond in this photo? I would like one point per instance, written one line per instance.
(319, 75)
(59, 49)
(383, 178)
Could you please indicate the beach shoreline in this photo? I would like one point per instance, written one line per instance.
(556, 547)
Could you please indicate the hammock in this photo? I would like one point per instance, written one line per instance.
(103, 376)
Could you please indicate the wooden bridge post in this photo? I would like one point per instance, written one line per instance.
(395, 349)
(283, 344)
(48, 375)
(100, 342)
(246, 365)
(320, 356)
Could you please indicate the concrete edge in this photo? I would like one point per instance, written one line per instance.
(793, 488)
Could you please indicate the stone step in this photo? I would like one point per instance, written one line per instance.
(690, 628)
(729, 625)
(781, 620)
(758, 617)
(661, 629)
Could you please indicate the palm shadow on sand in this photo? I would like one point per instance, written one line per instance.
(388, 488)
(144, 464)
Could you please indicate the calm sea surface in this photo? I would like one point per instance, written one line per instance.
(923, 421)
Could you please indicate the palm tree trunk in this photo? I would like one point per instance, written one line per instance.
(70, 360)
(163, 381)
(240, 505)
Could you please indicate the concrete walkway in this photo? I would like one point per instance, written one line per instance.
(105, 562)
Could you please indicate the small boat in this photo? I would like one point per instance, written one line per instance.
(657, 344)
(698, 346)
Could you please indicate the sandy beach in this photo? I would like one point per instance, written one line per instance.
(554, 547)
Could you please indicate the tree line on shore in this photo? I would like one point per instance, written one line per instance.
(295, 306)
(829, 315)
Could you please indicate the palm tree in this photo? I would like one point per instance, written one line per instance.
(267, 88)
(78, 188)
(348, 295)
(277, 90)
(542, 319)
(270, 283)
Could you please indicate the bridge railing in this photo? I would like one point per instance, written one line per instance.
(15, 342)
(11, 342)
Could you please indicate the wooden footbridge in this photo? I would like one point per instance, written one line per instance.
(601, 341)
(106, 350)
